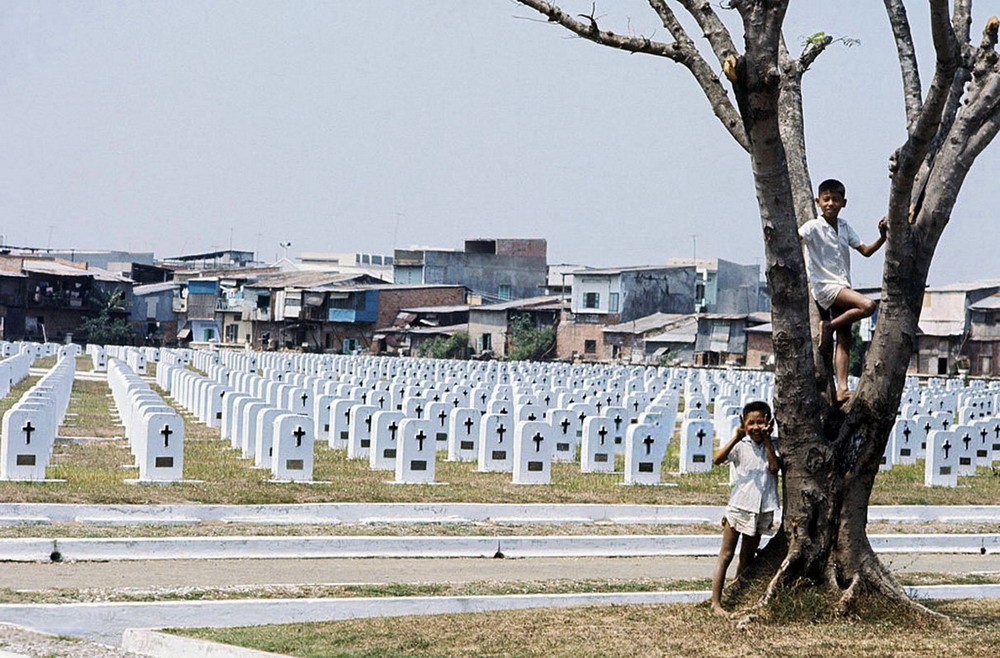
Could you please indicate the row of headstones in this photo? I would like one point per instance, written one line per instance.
(154, 429)
(13, 370)
(29, 427)
(949, 449)
(265, 430)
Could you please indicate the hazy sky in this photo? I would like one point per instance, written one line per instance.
(366, 124)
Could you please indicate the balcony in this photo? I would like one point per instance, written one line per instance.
(350, 315)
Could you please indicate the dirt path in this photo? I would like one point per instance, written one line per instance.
(234, 573)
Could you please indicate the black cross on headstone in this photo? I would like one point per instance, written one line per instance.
(946, 447)
(28, 429)
(420, 411)
(392, 429)
(381, 402)
(538, 441)
(565, 425)
(603, 432)
(468, 425)
(618, 422)
(305, 396)
(347, 416)
(548, 399)
(966, 440)
(946, 422)
(166, 432)
(421, 437)
(983, 433)
(906, 433)
(927, 427)
(598, 405)
(368, 422)
(996, 431)
(701, 436)
(531, 416)
(582, 416)
(442, 416)
(649, 443)
(298, 434)
(500, 432)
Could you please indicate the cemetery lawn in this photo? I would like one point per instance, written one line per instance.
(95, 472)
(633, 630)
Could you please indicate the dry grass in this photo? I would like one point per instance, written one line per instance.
(634, 630)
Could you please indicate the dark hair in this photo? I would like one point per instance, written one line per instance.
(756, 405)
(832, 185)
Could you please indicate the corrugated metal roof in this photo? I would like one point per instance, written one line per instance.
(966, 286)
(153, 288)
(619, 270)
(942, 327)
(435, 309)
(527, 303)
(644, 324)
(988, 304)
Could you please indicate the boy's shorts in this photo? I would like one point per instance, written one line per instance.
(749, 523)
(825, 294)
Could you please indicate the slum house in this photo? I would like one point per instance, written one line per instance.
(722, 286)
(49, 298)
(605, 297)
(674, 345)
(945, 327)
(157, 309)
(722, 337)
(491, 326)
(416, 325)
(626, 342)
(494, 270)
(293, 309)
(982, 348)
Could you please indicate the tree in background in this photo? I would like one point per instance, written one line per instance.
(528, 342)
(442, 347)
(831, 455)
(107, 322)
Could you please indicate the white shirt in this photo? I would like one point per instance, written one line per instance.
(827, 251)
(755, 487)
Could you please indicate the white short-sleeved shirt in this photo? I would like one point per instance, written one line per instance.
(755, 487)
(828, 257)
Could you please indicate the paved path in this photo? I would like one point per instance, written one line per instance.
(235, 573)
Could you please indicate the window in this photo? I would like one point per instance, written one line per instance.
(350, 346)
(590, 346)
(232, 333)
(613, 302)
(485, 342)
(591, 300)
(504, 293)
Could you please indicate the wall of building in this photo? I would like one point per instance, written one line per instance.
(760, 349)
(486, 273)
(493, 323)
(736, 288)
(571, 338)
(392, 300)
(644, 292)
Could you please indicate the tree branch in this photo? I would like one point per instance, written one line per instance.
(813, 51)
(925, 127)
(900, 25)
(712, 27)
(681, 51)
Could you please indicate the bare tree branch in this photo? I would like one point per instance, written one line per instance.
(681, 51)
(925, 127)
(961, 20)
(711, 25)
(900, 25)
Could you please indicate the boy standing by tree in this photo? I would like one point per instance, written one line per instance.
(827, 241)
(750, 512)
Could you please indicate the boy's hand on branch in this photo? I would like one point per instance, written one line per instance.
(883, 226)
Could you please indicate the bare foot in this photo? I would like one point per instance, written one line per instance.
(719, 610)
(843, 395)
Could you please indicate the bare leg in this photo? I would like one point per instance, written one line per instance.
(849, 307)
(841, 362)
(748, 550)
(729, 538)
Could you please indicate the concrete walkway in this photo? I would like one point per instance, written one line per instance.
(179, 574)
(333, 513)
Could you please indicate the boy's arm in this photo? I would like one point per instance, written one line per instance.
(773, 463)
(722, 453)
(867, 250)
